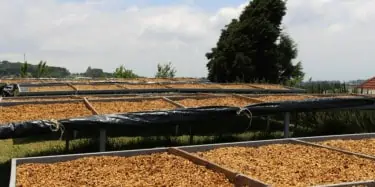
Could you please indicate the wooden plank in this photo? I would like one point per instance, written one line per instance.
(121, 86)
(243, 180)
(72, 86)
(173, 103)
(236, 178)
(89, 106)
(230, 174)
(248, 98)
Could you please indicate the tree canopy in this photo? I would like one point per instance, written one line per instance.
(94, 72)
(42, 69)
(26, 69)
(122, 72)
(255, 48)
(165, 71)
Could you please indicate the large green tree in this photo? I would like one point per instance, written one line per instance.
(254, 47)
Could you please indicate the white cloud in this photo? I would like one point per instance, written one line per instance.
(335, 37)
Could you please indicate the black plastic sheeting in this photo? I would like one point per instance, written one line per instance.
(25, 129)
(312, 105)
(8, 90)
(164, 122)
(162, 90)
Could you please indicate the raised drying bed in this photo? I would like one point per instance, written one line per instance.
(46, 110)
(289, 163)
(356, 143)
(112, 96)
(162, 80)
(98, 87)
(49, 88)
(18, 81)
(152, 167)
(120, 96)
(40, 98)
(269, 86)
(94, 88)
(295, 97)
(365, 146)
(337, 95)
(122, 88)
(45, 89)
(193, 86)
(152, 80)
(213, 101)
(143, 86)
(273, 98)
(236, 86)
(113, 106)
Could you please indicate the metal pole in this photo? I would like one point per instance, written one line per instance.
(102, 140)
(67, 144)
(75, 132)
(286, 124)
(191, 138)
(67, 140)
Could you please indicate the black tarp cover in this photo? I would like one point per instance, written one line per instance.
(192, 116)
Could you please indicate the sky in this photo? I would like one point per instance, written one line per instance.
(335, 38)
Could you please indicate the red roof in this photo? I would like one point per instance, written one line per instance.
(369, 84)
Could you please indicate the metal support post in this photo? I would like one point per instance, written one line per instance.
(286, 124)
(176, 130)
(191, 138)
(75, 133)
(102, 140)
(68, 137)
(268, 124)
(67, 144)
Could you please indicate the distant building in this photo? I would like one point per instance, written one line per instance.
(367, 87)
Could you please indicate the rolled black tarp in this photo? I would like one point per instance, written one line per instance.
(8, 90)
(159, 122)
(311, 105)
(27, 128)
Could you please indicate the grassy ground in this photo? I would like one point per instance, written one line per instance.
(42, 148)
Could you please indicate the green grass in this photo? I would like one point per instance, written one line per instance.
(55, 147)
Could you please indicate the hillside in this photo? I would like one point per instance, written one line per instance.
(12, 69)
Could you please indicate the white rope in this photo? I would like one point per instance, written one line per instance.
(56, 126)
(248, 114)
